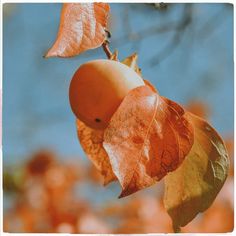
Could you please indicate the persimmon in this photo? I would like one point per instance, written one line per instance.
(97, 89)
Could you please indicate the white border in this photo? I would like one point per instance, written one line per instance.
(118, 1)
(1, 70)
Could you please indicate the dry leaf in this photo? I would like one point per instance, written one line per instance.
(147, 137)
(82, 27)
(91, 141)
(194, 185)
(114, 56)
(131, 61)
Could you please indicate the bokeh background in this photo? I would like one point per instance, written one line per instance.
(185, 50)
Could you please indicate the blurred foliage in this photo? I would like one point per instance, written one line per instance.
(46, 201)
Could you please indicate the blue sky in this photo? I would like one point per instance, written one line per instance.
(36, 111)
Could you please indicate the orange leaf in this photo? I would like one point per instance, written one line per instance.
(147, 137)
(91, 141)
(82, 27)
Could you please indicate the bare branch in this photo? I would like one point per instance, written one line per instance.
(151, 31)
(135, 36)
(176, 39)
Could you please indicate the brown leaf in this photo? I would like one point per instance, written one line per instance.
(82, 27)
(91, 141)
(147, 137)
(131, 61)
(194, 185)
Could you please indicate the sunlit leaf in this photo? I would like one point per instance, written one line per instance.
(91, 141)
(82, 27)
(147, 137)
(194, 185)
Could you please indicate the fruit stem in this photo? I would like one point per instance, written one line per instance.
(106, 49)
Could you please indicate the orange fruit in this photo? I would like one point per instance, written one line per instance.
(97, 89)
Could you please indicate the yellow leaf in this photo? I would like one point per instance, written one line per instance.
(195, 184)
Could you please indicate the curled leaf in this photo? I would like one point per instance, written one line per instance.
(91, 141)
(131, 61)
(82, 27)
(194, 185)
(146, 138)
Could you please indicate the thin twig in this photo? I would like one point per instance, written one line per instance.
(152, 31)
(143, 34)
(106, 49)
(176, 39)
